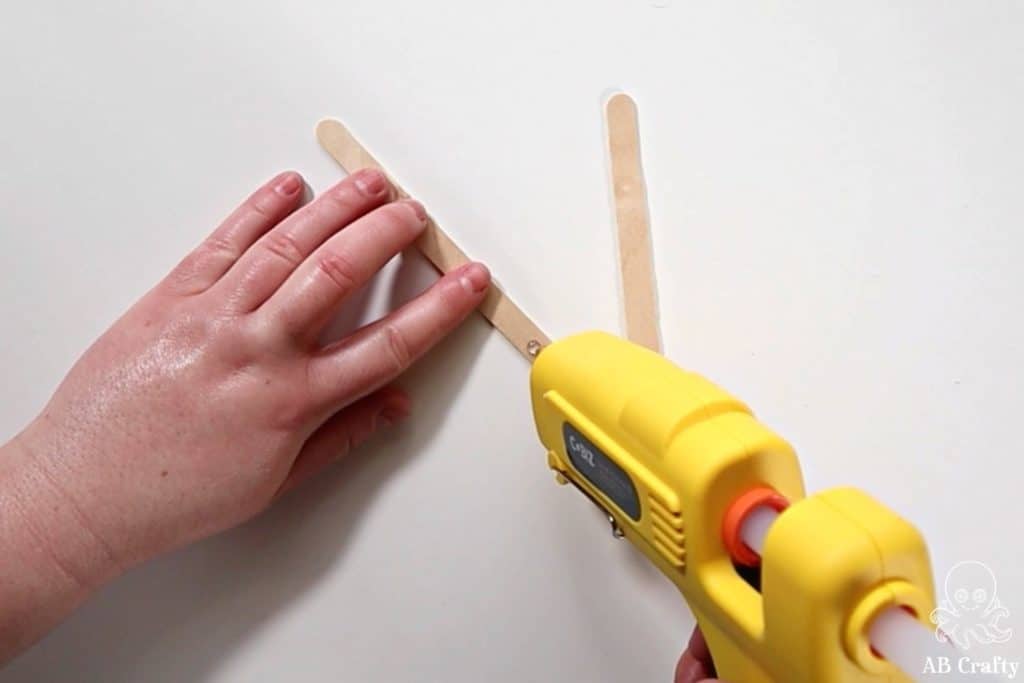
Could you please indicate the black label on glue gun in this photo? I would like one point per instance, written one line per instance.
(600, 471)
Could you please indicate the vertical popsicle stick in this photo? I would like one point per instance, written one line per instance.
(629, 195)
(439, 249)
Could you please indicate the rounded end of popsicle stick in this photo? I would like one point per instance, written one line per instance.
(325, 127)
(618, 100)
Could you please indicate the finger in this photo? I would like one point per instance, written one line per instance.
(312, 295)
(346, 430)
(377, 353)
(208, 262)
(699, 647)
(691, 670)
(695, 664)
(269, 262)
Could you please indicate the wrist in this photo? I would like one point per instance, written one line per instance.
(50, 517)
(55, 560)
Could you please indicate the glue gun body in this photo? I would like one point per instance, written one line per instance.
(684, 471)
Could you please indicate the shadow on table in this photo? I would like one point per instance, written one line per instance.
(179, 617)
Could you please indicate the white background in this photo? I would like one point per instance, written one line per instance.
(836, 200)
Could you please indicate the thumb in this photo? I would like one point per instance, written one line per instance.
(344, 431)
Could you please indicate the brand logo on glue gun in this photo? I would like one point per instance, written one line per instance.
(582, 451)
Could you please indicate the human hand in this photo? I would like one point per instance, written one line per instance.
(212, 396)
(695, 665)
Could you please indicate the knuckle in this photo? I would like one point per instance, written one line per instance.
(264, 204)
(219, 245)
(194, 273)
(340, 203)
(403, 215)
(283, 246)
(346, 193)
(237, 344)
(216, 250)
(340, 270)
(397, 347)
(452, 298)
(185, 278)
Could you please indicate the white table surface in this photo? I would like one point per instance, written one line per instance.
(836, 200)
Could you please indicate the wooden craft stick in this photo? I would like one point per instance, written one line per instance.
(439, 249)
(629, 195)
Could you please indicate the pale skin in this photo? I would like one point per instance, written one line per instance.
(213, 396)
(695, 664)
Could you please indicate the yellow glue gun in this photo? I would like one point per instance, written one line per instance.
(786, 588)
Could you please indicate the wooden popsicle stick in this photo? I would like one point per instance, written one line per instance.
(439, 249)
(629, 195)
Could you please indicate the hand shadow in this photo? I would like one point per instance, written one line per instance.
(177, 618)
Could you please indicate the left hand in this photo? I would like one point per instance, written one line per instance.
(212, 395)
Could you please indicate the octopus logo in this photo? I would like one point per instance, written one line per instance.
(970, 610)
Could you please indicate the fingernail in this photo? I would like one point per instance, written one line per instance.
(288, 185)
(421, 213)
(370, 182)
(475, 278)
